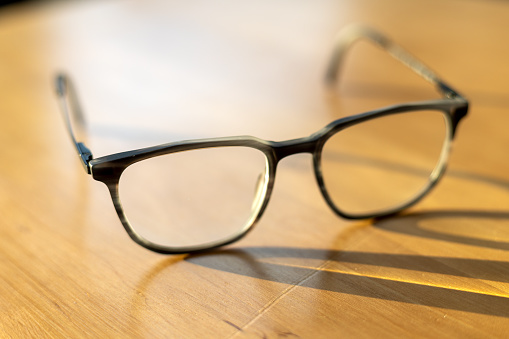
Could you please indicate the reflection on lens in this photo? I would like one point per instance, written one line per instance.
(380, 165)
(196, 197)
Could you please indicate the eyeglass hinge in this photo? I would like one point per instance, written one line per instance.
(85, 155)
(448, 91)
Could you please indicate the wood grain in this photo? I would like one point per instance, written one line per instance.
(159, 71)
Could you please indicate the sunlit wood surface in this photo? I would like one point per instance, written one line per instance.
(151, 72)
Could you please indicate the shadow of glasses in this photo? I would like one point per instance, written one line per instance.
(252, 262)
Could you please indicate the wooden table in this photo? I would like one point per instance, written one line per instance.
(157, 71)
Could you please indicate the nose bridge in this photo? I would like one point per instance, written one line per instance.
(294, 146)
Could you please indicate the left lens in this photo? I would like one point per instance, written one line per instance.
(383, 164)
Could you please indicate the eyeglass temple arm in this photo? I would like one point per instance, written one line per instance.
(356, 32)
(71, 111)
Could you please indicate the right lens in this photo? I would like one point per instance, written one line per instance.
(383, 164)
(195, 198)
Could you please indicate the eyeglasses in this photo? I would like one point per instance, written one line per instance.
(367, 165)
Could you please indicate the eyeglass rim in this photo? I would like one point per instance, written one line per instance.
(109, 169)
(433, 178)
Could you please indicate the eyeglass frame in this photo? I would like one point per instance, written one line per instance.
(108, 169)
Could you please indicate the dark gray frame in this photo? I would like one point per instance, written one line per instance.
(108, 169)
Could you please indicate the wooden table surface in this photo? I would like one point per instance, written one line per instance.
(151, 72)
